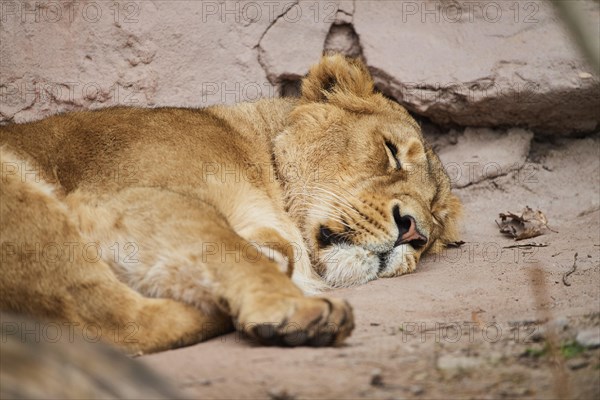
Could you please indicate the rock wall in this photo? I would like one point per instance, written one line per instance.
(468, 63)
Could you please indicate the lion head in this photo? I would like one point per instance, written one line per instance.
(369, 195)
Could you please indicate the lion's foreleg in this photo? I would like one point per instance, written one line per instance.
(49, 271)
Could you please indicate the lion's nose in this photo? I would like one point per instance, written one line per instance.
(408, 232)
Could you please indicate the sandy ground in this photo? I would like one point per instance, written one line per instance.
(469, 323)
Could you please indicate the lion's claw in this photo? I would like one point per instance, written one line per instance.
(298, 321)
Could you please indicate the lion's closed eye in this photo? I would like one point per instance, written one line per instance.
(404, 154)
(392, 153)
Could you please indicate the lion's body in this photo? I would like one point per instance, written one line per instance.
(183, 221)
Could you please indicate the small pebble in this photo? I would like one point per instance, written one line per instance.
(577, 363)
(521, 391)
(589, 338)
(376, 378)
(280, 394)
(421, 376)
(416, 390)
(514, 392)
(557, 325)
(560, 323)
(539, 334)
(495, 357)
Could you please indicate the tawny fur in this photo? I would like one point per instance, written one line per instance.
(200, 216)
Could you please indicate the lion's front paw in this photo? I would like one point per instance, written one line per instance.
(296, 321)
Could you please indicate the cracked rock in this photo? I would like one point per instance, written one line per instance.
(483, 153)
(149, 53)
(485, 64)
(343, 39)
(293, 42)
(490, 65)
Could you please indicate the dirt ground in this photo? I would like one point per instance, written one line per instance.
(479, 321)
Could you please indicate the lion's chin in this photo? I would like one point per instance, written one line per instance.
(402, 260)
(345, 265)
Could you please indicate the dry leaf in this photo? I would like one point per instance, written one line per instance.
(527, 225)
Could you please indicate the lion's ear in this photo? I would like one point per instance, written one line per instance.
(447, 214)
(446, 207)
(337, 79)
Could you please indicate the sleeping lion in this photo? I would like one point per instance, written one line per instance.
(164, 227)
